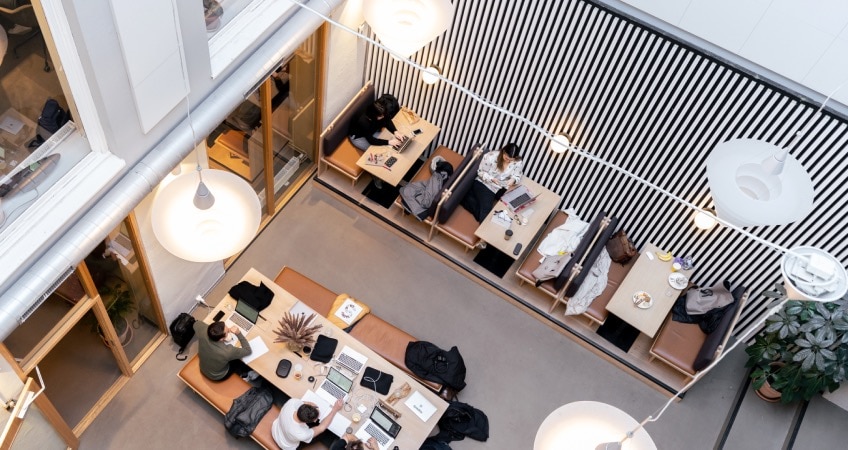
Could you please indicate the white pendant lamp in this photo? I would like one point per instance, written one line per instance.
(813, 274)
(704, 221)
(404, 26)
(206, 215)
(560, 143)
(430, 75)
(756, 183)
(588, 425)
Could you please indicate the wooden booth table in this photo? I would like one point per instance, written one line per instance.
(406, 122)
(651, 276)
(536, 214)
(16, 130)
(413, 430)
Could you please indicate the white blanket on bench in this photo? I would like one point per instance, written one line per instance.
(564, 238)
(593, 285)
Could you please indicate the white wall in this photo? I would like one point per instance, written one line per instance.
(346, 60)
(804, 41)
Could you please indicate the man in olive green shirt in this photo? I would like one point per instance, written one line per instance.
(217, 358)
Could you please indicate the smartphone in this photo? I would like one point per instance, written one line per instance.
(417, 131)
(218, 316)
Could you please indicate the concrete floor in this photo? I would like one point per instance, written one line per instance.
(519, 370)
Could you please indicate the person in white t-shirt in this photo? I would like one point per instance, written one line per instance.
(292, 426)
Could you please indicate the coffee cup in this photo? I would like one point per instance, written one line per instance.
(676, 266)
(355, 417)
(507, 235)
(298, 371)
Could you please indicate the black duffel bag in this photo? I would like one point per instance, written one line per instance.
(430, 362)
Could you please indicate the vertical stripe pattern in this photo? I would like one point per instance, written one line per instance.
(638, 99)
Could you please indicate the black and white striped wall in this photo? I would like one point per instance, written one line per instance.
(636, 98)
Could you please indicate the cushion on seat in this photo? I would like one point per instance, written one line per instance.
(309, 292)
(387, 341)
(580, 251)
(708, 350)
(454, 158)
(598, 308)
(678, 344)
(221, 394)
(344, 158)
(462, 225)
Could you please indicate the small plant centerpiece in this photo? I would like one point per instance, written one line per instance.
(802, 350)
(296, 331)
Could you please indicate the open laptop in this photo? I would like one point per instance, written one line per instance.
(335, 386)
(381, 426)
(404, 144)
(244, 317)
(518, 198)
(351, 360)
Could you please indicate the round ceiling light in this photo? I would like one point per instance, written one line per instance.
(430, 75)
(405, 26)
(560, 143)
(214, 225)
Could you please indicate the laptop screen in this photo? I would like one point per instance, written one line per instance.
(247, 311)
(383, 420)
(340, 380)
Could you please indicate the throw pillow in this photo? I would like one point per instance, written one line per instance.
(346, 311)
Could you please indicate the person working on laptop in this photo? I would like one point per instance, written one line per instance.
(351, 442)
(499, 171)
(217, 358)
(292, 425)
(365, 128)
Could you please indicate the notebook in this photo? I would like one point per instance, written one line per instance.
(334, 387)
(244, 317)
(351, 360)
(381, 426)
(339, 424)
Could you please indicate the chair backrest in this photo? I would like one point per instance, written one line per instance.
(458, 184)
(578, 253)
(337, 130)
(595, 250)
(716, 342)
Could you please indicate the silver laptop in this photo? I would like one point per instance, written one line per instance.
(381, 426)
(518, 198)
(351, 360)
(335, 386)
(244, 317)
(404, 144)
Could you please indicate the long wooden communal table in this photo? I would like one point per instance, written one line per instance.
(413, 432)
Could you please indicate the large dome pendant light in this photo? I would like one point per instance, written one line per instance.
(206, 216)
(404, 26)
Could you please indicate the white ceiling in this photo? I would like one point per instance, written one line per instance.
(803, 40)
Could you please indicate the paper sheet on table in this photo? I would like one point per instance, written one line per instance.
(11, 124)
(420, 406)
(502, 218)
(339, 424)
(257, 347)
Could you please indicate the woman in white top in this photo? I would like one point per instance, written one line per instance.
(498, 172)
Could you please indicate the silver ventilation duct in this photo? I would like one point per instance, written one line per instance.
(41, 277)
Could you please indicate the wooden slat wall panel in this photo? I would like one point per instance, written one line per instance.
(636, 98)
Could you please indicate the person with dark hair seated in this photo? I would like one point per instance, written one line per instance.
(499, 171)
(292, 425)
(365, 128)
(351, 442)
(217, 358)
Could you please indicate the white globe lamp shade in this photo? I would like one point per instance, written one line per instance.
(560, 143)
(404, 26)
(756, 183)
(585, 425)
(206, 235)
(813, 274)
(704, 221)
(430, 75)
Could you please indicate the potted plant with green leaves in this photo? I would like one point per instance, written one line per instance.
(119, 304)
(801, 351)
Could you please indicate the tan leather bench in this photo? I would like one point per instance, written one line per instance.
(597, 311)
(384, 338)
(532, 260)
(336, 150)
(221, 394)
(450, 217)
(686, 348)
(454, 158)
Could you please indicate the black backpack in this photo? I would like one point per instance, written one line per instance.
(461, 420)
(182, 330)
(52, 117)
(430, 362)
